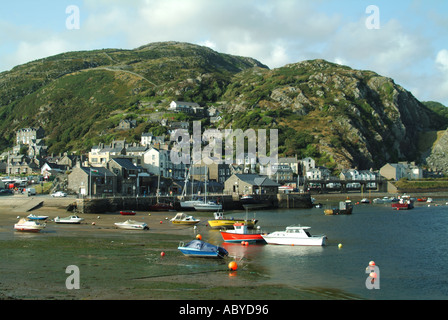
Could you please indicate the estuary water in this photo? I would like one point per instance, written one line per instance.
(410, 248)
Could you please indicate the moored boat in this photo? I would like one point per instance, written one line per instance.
(34, 217)
(199, 248)
(29, 225)
(241, 233)
(221, 222)
(127, 213)
(132, 225)
(294, 235)
(69, 220)
(182, 218)
(345, 207)
(208, 206)
(403, 205)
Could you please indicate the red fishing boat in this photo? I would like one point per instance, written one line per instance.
(240, 233)
(127, 213)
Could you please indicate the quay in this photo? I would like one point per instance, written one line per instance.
(229, 202)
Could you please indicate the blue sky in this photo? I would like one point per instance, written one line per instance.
(410, 46)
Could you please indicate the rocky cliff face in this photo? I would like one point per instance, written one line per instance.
(438, 158)
(358, 118)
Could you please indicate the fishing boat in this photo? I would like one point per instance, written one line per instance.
(29, 225)
(345, 207)
(294, 235)
(182, 218)
(403, 204)
(199, 248)
(221, 222)
(132, 225)
(424, 199)
(241, 233)
(69, 220)
(34, 217)
(127, 213)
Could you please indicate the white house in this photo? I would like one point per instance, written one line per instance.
(146, 139)
(182, 106)
(319, 173)
(307, 164)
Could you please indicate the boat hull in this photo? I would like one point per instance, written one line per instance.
(131, 227)
(228, 223)
(186, 222)
(207, 207)
(402, 206)
(237, 238)
(279, 240)
(27, 229)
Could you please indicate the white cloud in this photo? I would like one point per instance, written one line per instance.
(442, 60)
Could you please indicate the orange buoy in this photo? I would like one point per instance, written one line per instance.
(373, 275)
(371, 263)
(233, 266)
(199, 237)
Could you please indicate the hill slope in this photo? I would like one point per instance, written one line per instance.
(341, 116)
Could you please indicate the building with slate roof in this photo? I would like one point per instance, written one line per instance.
(250, 184)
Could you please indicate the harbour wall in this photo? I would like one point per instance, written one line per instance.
(229, 202)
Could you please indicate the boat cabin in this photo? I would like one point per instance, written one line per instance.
(240, 228)
(298, 230)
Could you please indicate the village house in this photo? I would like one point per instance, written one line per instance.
(396, 171)
(100, 155)
(86, 181)
(126, 124)
(126, 173)
(250, 184)
(319, 173)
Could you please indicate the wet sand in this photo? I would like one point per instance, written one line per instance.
(125, 264)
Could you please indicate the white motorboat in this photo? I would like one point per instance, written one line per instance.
(29, 225)
(294, 235)
(70, 219)
(132, 225)
(182, 218)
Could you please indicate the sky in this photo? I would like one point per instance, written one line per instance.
(404, 40)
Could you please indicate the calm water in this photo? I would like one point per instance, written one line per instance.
(409, 247)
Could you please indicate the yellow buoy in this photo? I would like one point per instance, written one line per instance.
(340, 245)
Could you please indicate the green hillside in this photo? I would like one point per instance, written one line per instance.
(340, 116)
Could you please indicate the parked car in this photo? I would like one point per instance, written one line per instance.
(59, 194)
